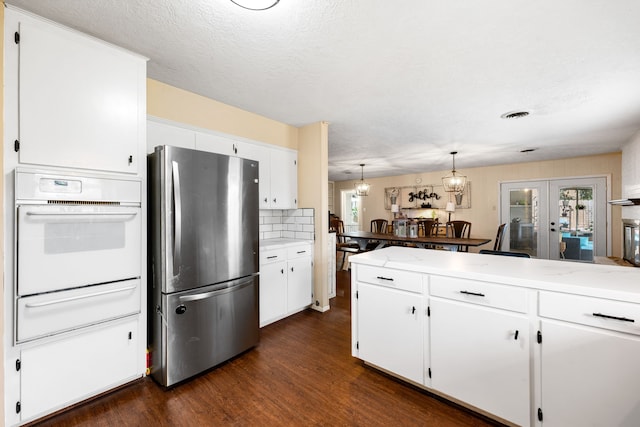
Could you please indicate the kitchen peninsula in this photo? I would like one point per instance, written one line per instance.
(519, 339)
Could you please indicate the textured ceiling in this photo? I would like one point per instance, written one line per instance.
(402, 83)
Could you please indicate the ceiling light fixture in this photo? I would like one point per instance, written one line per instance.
(362, 188)
(453, 183)
(256, 4)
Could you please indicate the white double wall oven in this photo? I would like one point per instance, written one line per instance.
(77, 251)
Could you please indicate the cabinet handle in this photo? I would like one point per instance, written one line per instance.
(515, 337)
(272, 257)
(265, 200)
(413, 310)
(282, 271)
(291, 268)
(385, 278)
(606, 316)
(477, 294)
(301, 252)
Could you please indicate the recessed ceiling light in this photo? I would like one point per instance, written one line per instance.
(514, 115)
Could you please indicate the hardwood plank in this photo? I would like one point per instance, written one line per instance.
(301, 373)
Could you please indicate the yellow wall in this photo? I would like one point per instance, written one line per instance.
(169, 102)
(313, 153)
(485, 209)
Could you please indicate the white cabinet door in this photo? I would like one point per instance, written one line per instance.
(82, 102)
(284, 179)
(166, 134)
(215, 144)
(390, 330)
(477, 357)
(273, 292)
(589, 376)
(60, 373)
(299, 281)
(263, 155)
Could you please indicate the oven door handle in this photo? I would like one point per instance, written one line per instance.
(79, 297)
(31, 213)
(177, 218)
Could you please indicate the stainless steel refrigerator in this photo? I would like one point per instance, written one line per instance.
(203, 266)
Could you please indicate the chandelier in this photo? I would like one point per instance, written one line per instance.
(454, 183)
(256, 4)
(362, 188)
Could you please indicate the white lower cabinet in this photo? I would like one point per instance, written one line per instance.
(273, 291)
(526, 356)
(299, 292)
(62, 372)
(590, 375)
(286, 280)
(390, 330)
(481, 356)
(388, 318)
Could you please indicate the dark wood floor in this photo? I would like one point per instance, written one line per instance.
(301, 373)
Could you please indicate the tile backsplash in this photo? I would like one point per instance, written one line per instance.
(287, 224)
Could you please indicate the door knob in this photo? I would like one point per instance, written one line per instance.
(552, 229)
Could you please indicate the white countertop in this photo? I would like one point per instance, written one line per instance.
(280, 243)
(597, 280)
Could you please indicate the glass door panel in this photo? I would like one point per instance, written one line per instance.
(579, 208)
(351, 211)
(524, 211)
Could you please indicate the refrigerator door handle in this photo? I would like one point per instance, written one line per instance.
(177, 219)
(205, 295)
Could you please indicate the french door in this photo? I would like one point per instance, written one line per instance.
(563, 219)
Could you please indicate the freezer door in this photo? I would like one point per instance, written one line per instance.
(204, 218)
(205, 328)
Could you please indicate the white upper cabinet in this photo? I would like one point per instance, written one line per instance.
(284, 180)
(82, 102)
(164, 134)
(278, 173)
(216, 144)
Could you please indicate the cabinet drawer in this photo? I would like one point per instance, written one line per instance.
(405, 280)
(601, 313)
(273, 255)
(482, 293)
(298, 251)
(63, 372)
(48, 314)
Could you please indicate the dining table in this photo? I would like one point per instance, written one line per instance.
(448, 243)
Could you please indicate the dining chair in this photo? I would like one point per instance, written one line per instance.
(342, 244)
(497, 245)
(379, 226)
(459, 229)
(429, 227)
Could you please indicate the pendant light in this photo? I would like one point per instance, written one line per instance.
(256, 4)
(362, 188)
(454, 183)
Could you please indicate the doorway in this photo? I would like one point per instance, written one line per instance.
(351, 210)
(561, 219)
